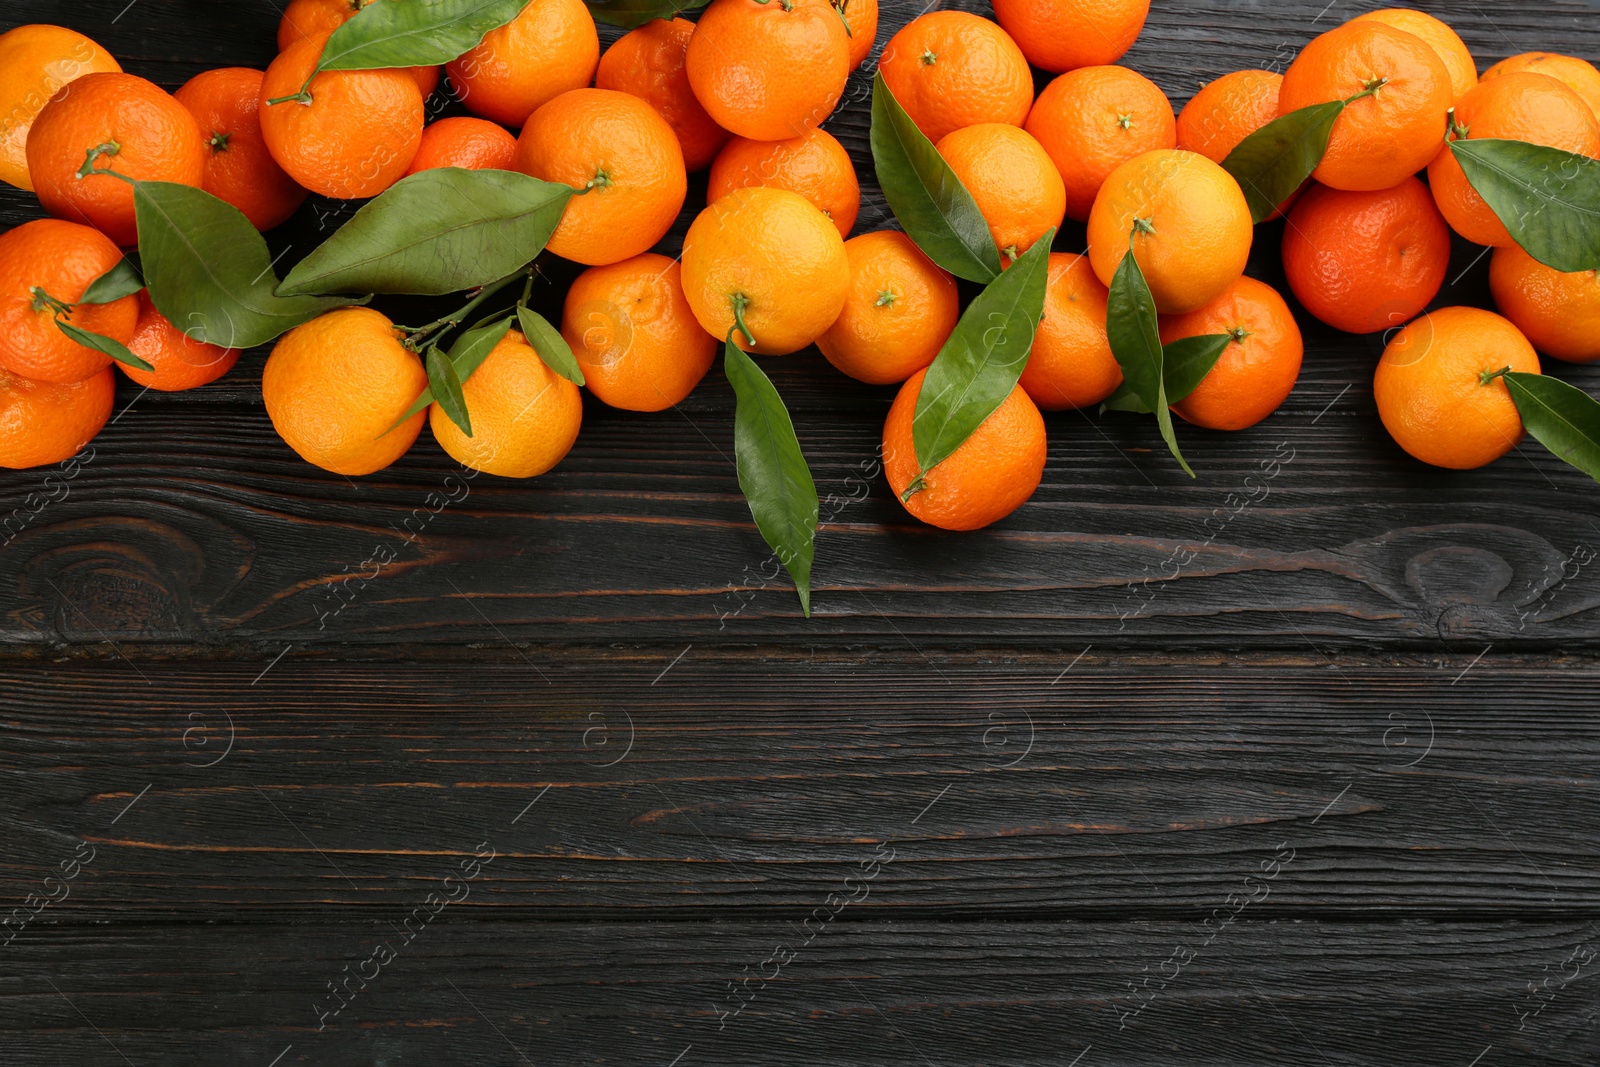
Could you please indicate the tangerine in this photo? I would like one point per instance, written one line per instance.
(898, 313)
(991, 474)
(35, 62)
(468, 143)
(1093, 120)
(50, 422)
(634, 334)
(45, 265)
(1189, 224)
(623, 159)
(769, 70)
(1392, 131)
(239, 168)
(814, 164)
(525, 416)
(1258, 369)
(1519, 106)
(179, 360)
(1224, 112)
(1438, 392)
(311, 18)
(1071, 364)
(1576, 74)
(1062, 35)
(861, 20)
(118, 122)
(336, 385)
(1009, 174)
(348, 134)
(1446, 43)
(1367, 261)
(950, 69)
(768, 261)
(649, 63)
(1558, 312)
(550, 48)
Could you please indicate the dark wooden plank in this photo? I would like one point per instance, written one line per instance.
(1024, 785)
(194, 524)
(1013, 994)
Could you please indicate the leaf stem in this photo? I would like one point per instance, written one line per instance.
(420, 334)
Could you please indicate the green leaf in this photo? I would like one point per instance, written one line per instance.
(445, 385)
(773, 473)
(1273, 162)
(436, 232)
(416, 33)
(936, 210)
(1563, 418)
(209, 272)
(1184, 364)
(1547, 198)
(550, 345)
(982, 359)
(466, 356)
(630, 14)
(122, 280)
(110, 346)
(1136, 342)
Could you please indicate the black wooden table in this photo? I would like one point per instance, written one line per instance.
(569, 780)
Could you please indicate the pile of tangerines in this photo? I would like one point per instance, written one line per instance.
(769, 266)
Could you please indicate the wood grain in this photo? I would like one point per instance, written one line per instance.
(1010, 784)
(1017, 994)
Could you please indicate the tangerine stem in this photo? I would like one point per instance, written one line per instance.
(42, 300)
(740, 302)
(1371, 90)
(110, 148)
(916, 486)
(1485, 377)
(420, 334)
(1454, 130)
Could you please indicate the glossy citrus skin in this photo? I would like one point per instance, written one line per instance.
(48, 422)
(898, 313)
(1258, 369)
(1010, 175)
(992, 474)
(768, 71)
(649, 63)
(1446, 43)
(180, 361)
(335, 385)
(951, 69)
(157, 139)
(1430, 391)
(1093, 120)
(1071, 365)
(549, 49)
(1201, 227)
(862, 15)
(1558, 312)
(62, 259)
(1379, 139)
(471, 144)
(239, 168)
(1518, 106)
(36, 61)
(1061, 35)
(1363, 262)
(358, 134)
(622, 151)
(310, 18)
(634, 334)
(525, 416)
(774, 250)
(815, 165)
(1576, 74)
